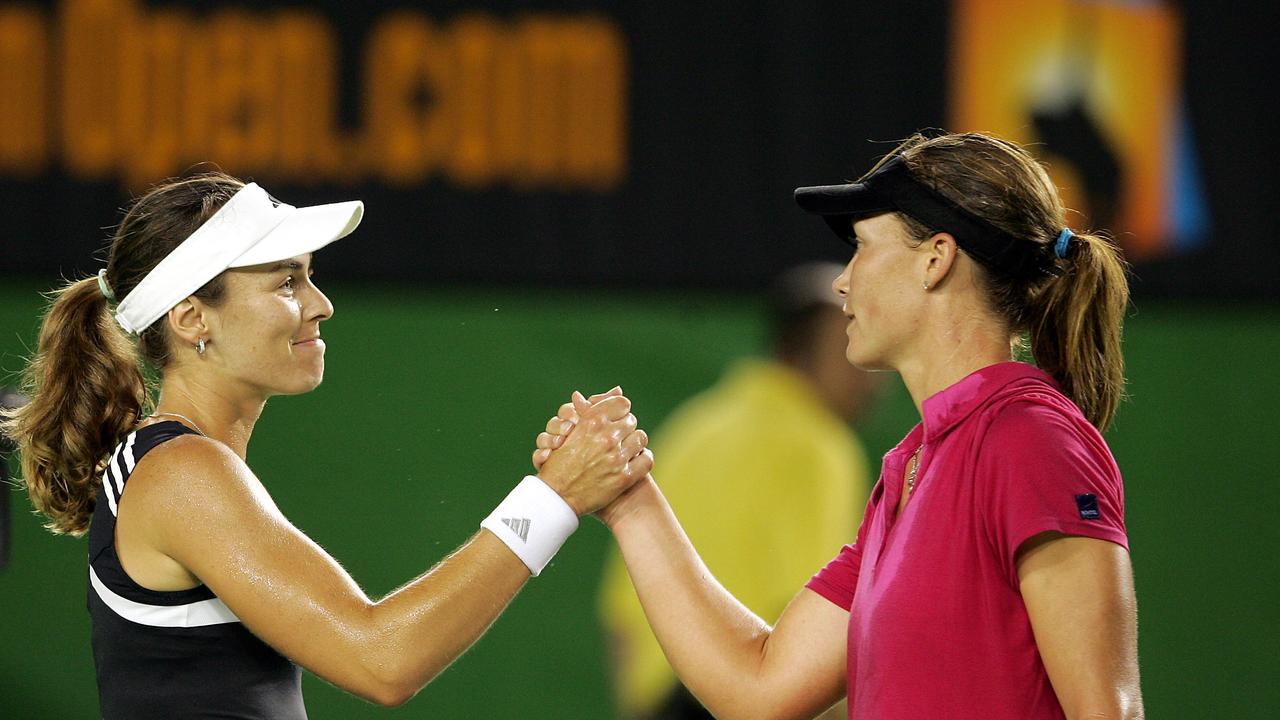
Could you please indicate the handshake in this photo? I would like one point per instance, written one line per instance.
(592, 452)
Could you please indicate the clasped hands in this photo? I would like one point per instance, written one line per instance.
(592, 451)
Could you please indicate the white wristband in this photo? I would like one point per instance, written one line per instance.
(534, 521)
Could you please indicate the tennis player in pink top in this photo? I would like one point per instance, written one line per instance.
(990, 577)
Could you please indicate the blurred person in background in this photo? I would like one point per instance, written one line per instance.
(990, 577)
(770, 448)
(203, 598)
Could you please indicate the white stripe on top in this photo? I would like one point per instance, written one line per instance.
(118, 471)
(129, 460)
(196, 614)
(118, 467)
(107, 488)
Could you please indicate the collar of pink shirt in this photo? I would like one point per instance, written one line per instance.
(946, 409)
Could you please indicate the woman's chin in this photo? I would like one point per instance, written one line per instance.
(863, 360)
(301, 385)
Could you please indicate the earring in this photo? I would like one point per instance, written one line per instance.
(926, 286)
(200, 346)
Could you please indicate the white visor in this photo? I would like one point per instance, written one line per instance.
(249, 229)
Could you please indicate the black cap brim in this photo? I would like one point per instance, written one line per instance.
(841, 205)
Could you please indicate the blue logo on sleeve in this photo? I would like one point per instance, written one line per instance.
(1088, 506)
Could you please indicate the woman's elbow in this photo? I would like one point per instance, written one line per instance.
(1121, 707)
(391, 696)
(387, 681)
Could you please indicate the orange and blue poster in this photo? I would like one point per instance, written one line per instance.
(1093, 88)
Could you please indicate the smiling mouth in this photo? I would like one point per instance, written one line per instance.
(310, 341)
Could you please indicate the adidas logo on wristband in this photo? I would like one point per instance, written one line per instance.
(520, 526)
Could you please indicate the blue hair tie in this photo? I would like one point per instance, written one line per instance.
(1064, 241)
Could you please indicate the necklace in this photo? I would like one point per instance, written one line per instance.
(915, 466)
(193, 424)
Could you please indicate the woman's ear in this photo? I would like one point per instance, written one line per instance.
(941, 251)
(187, 321)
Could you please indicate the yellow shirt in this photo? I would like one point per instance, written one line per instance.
(768, 484)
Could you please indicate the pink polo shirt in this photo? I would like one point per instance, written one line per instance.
(937, 627)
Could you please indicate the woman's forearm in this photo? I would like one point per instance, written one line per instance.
(420, 629)
(721, 650)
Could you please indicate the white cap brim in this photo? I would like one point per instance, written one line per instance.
(250, 229)
(305, 230)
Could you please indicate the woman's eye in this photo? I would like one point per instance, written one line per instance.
(288, 283)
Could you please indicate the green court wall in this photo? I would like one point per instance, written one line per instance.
(427, 416)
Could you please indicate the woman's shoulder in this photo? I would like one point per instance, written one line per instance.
(1031, 406)
(175, 443)
(188, 468)
(187, 494)
(1042, 429)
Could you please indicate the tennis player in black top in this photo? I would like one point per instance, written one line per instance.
(204, 599)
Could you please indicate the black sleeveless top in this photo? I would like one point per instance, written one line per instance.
(177, 654)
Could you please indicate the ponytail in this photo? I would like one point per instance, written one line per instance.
(86, 382)
(1075, 322)
(87, 392)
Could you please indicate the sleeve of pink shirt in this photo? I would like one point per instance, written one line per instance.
(838, 579)
(1045, 469)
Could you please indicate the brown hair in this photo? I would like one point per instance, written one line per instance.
(1071, 315)
(86, 381)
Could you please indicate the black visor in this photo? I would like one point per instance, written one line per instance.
(893, 187)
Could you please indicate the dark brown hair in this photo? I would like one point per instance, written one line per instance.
(86, 380)
(1071, 316)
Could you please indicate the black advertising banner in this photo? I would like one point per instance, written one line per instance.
(636, 143)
